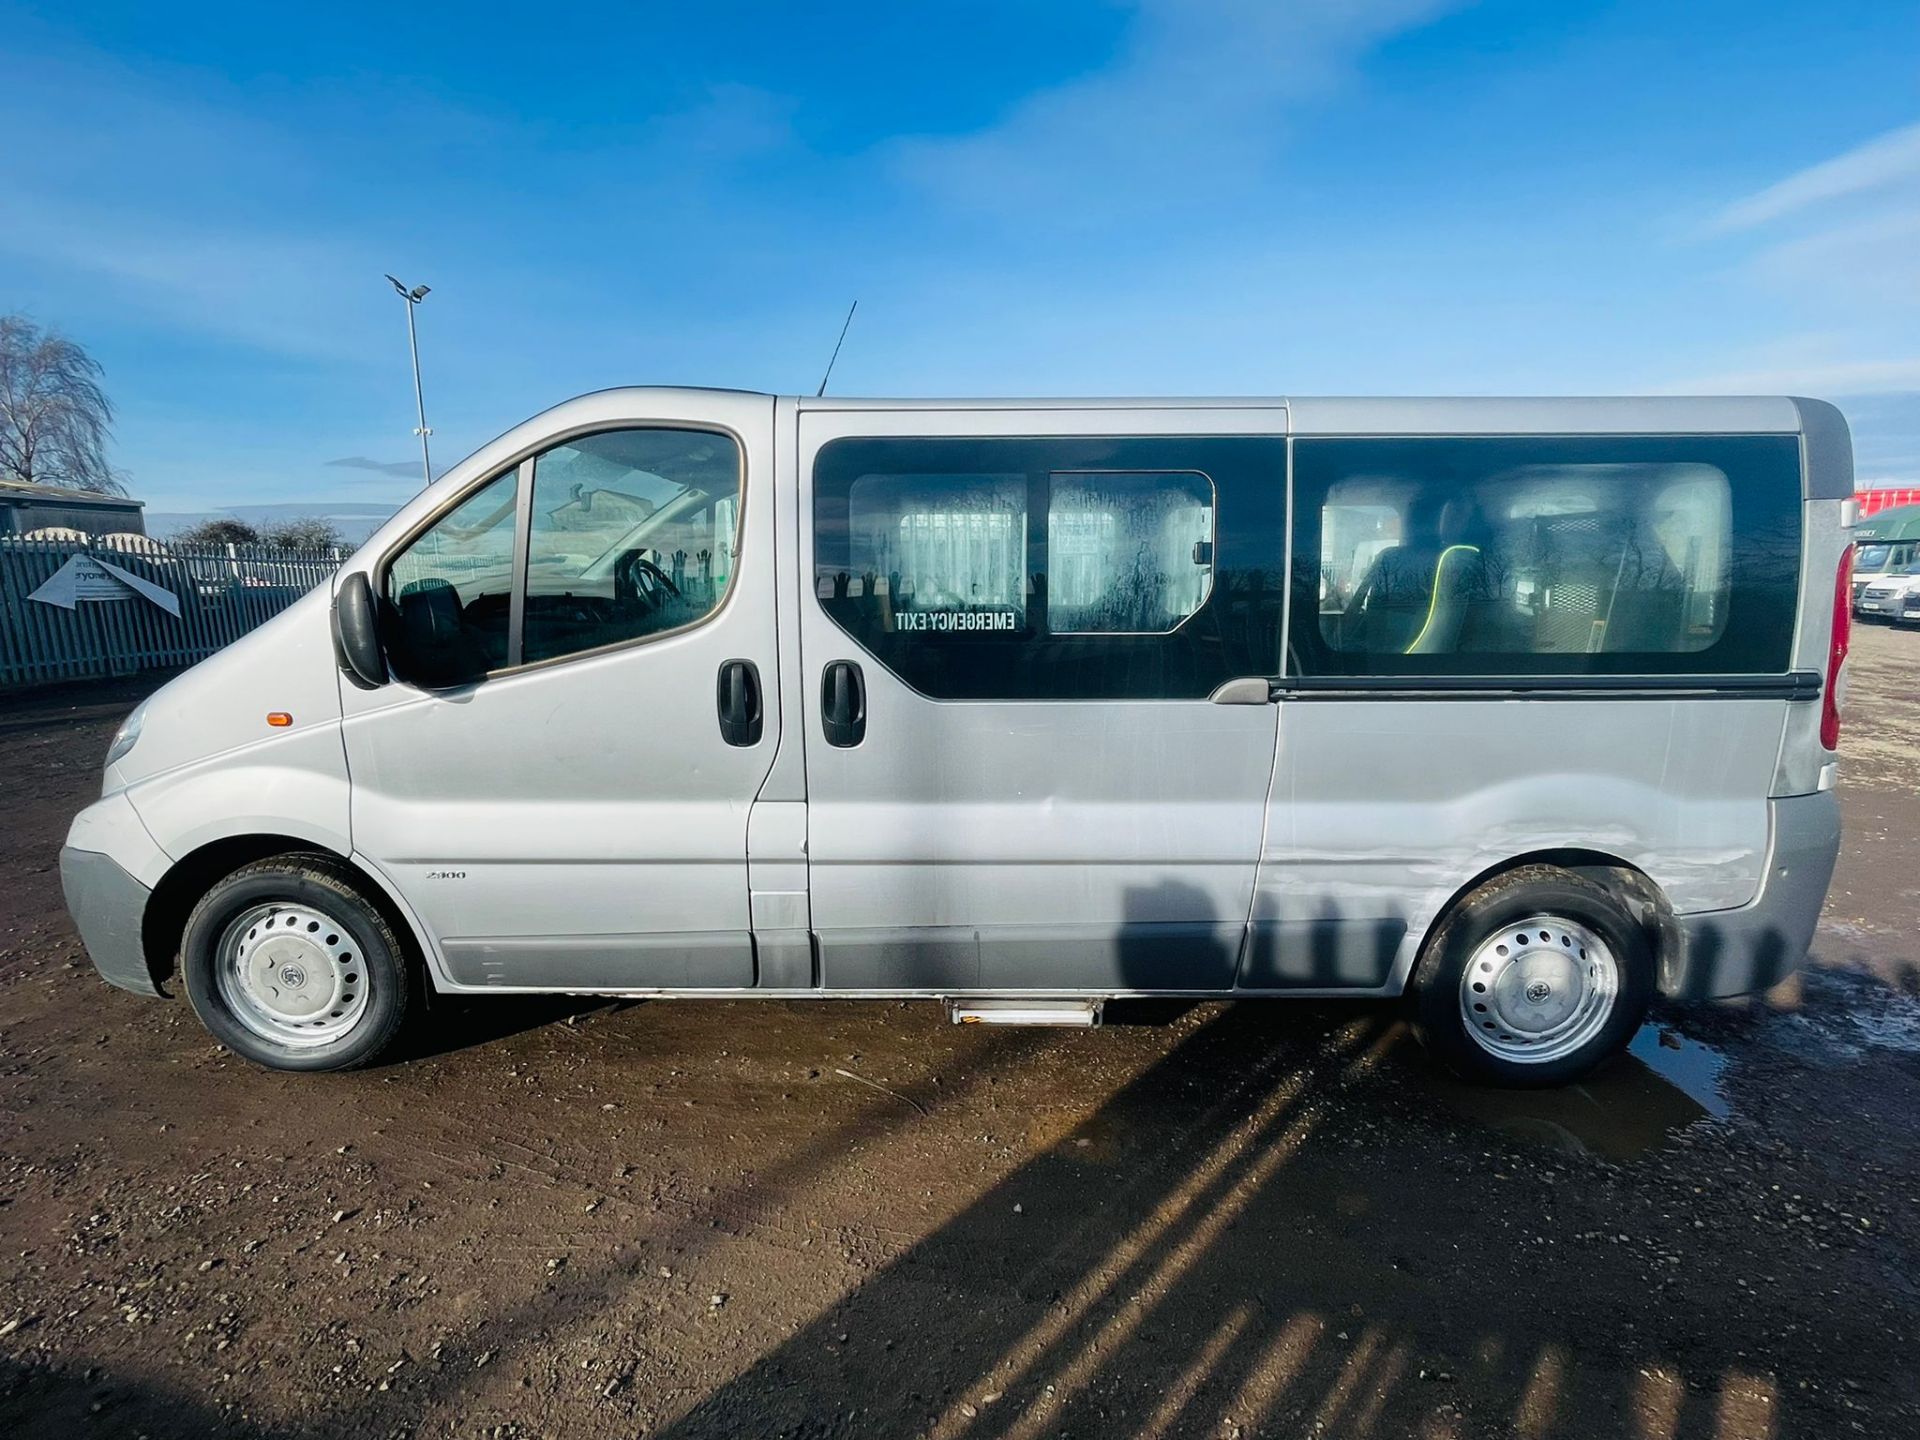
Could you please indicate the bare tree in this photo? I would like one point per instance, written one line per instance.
(304, 532)
(54, 416)
(216, 534)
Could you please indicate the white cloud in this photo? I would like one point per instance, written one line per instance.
(1195, 102)
(1812, 377)
(218, 217)
(1868, 263)
(1841, 238)
(1831, 254)
(728, 124)
(1889, 161)
(277, 292)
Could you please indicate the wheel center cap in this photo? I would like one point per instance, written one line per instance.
(1539, 991)
(291, 978)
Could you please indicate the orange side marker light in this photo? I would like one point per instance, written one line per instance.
(279, 719)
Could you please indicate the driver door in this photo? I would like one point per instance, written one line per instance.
(550, 784)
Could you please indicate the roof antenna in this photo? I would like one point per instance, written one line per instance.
(836, 350)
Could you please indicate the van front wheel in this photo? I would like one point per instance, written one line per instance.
(287, 963)
(1533, 979)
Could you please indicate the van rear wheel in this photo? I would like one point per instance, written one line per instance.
(1535, 978)
(287, 963)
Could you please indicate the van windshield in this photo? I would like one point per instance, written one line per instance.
(1873, 557)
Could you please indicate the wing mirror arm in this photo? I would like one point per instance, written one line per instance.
(356, 632)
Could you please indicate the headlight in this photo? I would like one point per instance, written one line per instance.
(128, 735)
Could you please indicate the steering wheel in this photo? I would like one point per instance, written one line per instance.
(652, 586)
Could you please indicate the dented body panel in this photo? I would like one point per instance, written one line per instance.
(1383, 810)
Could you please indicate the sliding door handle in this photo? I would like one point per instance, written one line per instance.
(738, 698)
(843, 704)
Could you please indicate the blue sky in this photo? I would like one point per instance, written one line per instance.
(1160, 197)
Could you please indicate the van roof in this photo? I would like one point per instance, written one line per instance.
(1433, 414)
(1539, 414)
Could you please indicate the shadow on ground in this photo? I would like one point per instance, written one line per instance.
(1204, 1257)
(453, 1023)
(1216, 1251)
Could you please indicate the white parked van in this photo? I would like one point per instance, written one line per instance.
(1884, 595)
(1524, 710)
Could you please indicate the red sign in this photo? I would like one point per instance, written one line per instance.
(1872, 502)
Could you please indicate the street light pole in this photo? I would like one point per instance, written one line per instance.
(413, 297)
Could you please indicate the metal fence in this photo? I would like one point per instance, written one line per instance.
(92, 622)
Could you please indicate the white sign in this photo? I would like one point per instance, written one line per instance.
(85, 577)
(955, 621)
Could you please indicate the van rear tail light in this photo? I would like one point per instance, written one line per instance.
(1832, 698)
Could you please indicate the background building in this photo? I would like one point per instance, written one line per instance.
(26, 507)
(1872, 502)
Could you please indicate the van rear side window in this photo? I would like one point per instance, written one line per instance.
(1545, 556)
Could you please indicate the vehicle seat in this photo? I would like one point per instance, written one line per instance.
(1414, 600)
(439, 645)
(1455, 576)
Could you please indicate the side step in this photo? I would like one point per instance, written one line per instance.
(1079, 1014)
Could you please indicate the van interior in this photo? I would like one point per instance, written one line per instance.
(1537, 559)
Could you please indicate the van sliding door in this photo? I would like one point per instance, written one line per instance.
(1011, 629)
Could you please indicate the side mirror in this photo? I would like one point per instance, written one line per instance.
(356, 632)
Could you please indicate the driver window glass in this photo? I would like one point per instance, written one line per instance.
(634, 533)
(449, 592)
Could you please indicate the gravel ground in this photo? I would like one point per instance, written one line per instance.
(746, 1219)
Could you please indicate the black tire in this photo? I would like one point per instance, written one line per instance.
(1480, 916)
(332, 887)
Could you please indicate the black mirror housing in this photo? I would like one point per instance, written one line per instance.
(356, 632)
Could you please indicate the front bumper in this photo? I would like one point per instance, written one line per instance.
(1735, 952)
(108, 905)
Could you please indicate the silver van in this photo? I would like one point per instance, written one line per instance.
(1520, 712)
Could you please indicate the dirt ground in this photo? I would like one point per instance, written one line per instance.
(757, 1219)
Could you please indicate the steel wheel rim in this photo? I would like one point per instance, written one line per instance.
(1538, 990)
(292, 974)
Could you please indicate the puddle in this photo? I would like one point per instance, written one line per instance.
(1663, 1084)
(1690, 1067)
(1849, 1015)
(1890, 1029)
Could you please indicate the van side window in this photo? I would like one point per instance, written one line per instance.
(1068, 567)
(938, 554)
(449, 593)
(1545, 556)
(633, 533)
(1127, 553)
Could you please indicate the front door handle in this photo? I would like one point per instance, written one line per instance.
(738, 697)
(843, 704)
